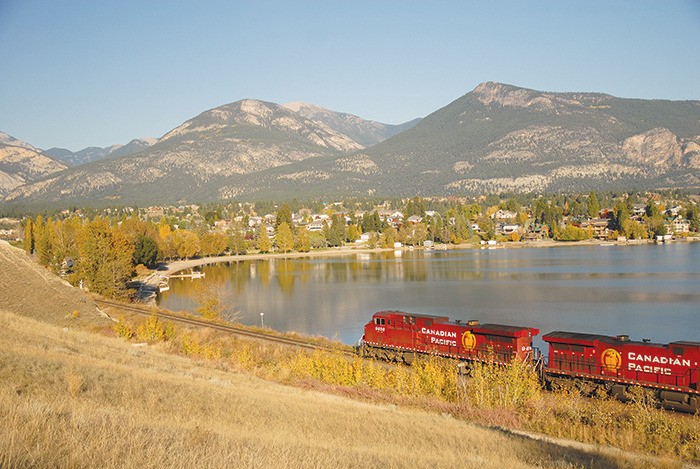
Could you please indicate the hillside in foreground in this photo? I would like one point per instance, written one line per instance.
(74, 398)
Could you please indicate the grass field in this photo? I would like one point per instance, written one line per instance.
(70, 398)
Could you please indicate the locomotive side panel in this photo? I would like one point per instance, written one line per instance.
(672, 366)
(669, 365)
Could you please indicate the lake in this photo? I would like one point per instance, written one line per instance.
(645, 291)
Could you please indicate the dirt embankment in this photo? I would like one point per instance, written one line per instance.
(28, 289)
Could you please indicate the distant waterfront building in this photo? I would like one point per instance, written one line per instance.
(680, 225)
(599, 227)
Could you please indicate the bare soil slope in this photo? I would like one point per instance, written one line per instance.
(28, 289)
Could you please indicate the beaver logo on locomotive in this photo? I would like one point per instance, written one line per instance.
(611, 359)
(468, 340)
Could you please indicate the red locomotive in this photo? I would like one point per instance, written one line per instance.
(398, 336)
(615, 363)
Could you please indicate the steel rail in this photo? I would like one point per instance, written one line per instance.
(231, 329)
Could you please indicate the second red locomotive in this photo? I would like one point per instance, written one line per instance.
(671, 370)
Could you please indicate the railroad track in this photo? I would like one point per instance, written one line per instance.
(228, 328)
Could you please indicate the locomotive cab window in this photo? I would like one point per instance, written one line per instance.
(677, 350)
(379, 321)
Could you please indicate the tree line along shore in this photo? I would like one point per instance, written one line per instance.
(101, 250)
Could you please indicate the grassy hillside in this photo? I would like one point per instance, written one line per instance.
(73, 399)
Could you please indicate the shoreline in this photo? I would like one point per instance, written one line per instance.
(180, 265)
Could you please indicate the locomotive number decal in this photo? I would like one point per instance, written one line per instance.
(611, 359)
(468, 340)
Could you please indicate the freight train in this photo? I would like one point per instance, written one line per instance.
(591, 363)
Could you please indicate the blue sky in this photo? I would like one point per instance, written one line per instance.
(94, 73)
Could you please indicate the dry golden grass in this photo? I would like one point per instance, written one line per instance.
(498, 396)
(74, 399)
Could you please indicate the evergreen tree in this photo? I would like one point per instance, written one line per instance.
(145, 251)
(436, 229)
(621, 215)
(284, 215)
(415, 206)
(693, 217)
(377, 224)
(336, 233)
(651, 209)
(512, 205)
(367, 224)
(593, 205)
(538, 210)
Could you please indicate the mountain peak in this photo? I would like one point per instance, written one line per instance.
(9, 140)
(303, 108)
(493, 86)
(505, 95)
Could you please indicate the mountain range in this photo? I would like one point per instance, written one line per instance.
(90, 154)
(496, 138)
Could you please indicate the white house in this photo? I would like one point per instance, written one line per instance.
(504, 215)
(680, 225)
(508, 228)
(316, 225)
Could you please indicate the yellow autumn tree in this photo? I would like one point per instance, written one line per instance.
(284, 238)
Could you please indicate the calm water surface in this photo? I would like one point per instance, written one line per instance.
(645, 291)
